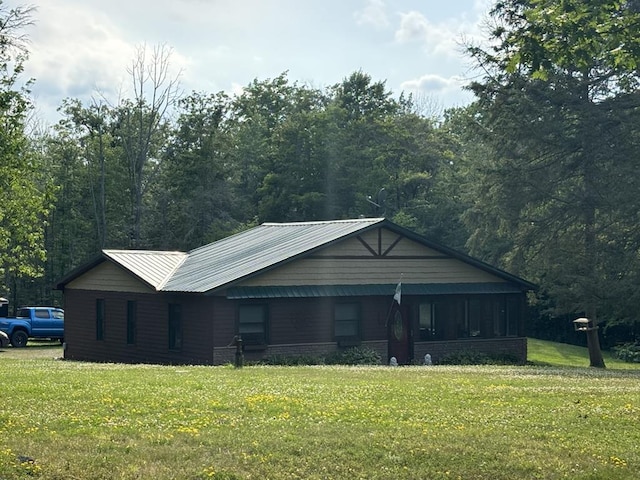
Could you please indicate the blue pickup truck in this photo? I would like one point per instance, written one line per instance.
(33, 322)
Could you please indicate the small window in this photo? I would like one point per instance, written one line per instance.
(427, 321)
(347, 322)
(252, 324)
(132, 320)
(42, 313)
(57, 314)
(100, 320)
(175, 326)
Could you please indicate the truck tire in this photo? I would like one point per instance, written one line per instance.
(19, 339)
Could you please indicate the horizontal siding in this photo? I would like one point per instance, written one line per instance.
(109, 278)
(152, 345)
(372, 270)
(310, 320)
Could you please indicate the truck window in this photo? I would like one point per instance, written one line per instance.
(58, 314)
(23, 312)
(42, 313)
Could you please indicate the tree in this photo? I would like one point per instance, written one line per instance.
(194, 200)
(142, 123)
(560, 83)
(25, 188)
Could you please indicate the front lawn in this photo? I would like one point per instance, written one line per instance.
(72, 420)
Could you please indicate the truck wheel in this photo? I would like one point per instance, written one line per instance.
(19, 339)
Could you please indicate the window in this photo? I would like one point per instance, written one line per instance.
(347, 322)
(427, 321)
(42, 313)
(100, 319)
(252, 324)
(132, 320)
(175, 326)
(514, 310)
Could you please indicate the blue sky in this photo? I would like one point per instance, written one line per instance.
(82, 48)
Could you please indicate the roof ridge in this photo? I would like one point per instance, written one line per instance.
(142, 251)
(170, 274)
(323, 222)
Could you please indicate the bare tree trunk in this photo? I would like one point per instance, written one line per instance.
(155, 93)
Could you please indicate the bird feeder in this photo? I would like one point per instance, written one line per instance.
(583, 324)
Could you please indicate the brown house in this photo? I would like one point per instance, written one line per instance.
(293, 289)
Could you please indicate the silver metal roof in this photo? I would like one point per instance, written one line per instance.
(233, 258)
(153, 267)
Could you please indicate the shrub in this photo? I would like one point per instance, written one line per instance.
(628, 352)
(353, 356)
(291, 360)
(471, 357)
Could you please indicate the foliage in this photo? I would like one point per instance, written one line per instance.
(292, 360)
(145, 421)
(628, 352)
(557, 113)
(354, 356)
(471, 357)
(24, 182)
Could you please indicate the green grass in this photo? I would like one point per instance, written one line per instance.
(104, 421)
(542, 352)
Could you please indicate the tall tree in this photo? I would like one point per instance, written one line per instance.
(142, 123)
(560, 78)
(24, 185)
(90, 128)
(194, 199)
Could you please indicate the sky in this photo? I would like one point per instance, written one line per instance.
(84, 48)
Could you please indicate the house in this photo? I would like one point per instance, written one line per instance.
(307, 288)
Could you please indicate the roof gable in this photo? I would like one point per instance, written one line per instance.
(152, 267)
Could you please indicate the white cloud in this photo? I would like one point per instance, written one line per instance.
(433, 93)
(431, 83)
(414, 27)
(80, 46)
(373, 14)
(77, 61)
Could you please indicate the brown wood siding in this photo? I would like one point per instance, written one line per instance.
(224, 321)
(309, 320)
(152, 345)
(372, 270)
(108, 277)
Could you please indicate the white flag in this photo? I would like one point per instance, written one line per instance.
(397, 296)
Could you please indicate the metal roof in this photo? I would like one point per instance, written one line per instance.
(236, 257)
(222, 264)
(153, 267)
(307, 291)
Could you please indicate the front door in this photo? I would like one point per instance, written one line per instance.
(398, 335)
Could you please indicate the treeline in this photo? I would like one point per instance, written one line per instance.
(537, 176)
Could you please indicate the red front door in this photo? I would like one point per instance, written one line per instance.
(398, 335)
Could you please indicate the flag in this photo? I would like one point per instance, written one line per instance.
(397, 296)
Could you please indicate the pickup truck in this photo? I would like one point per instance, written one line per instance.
(33, 322)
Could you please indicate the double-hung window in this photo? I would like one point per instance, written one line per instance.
(347, 323)
(252, 324)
